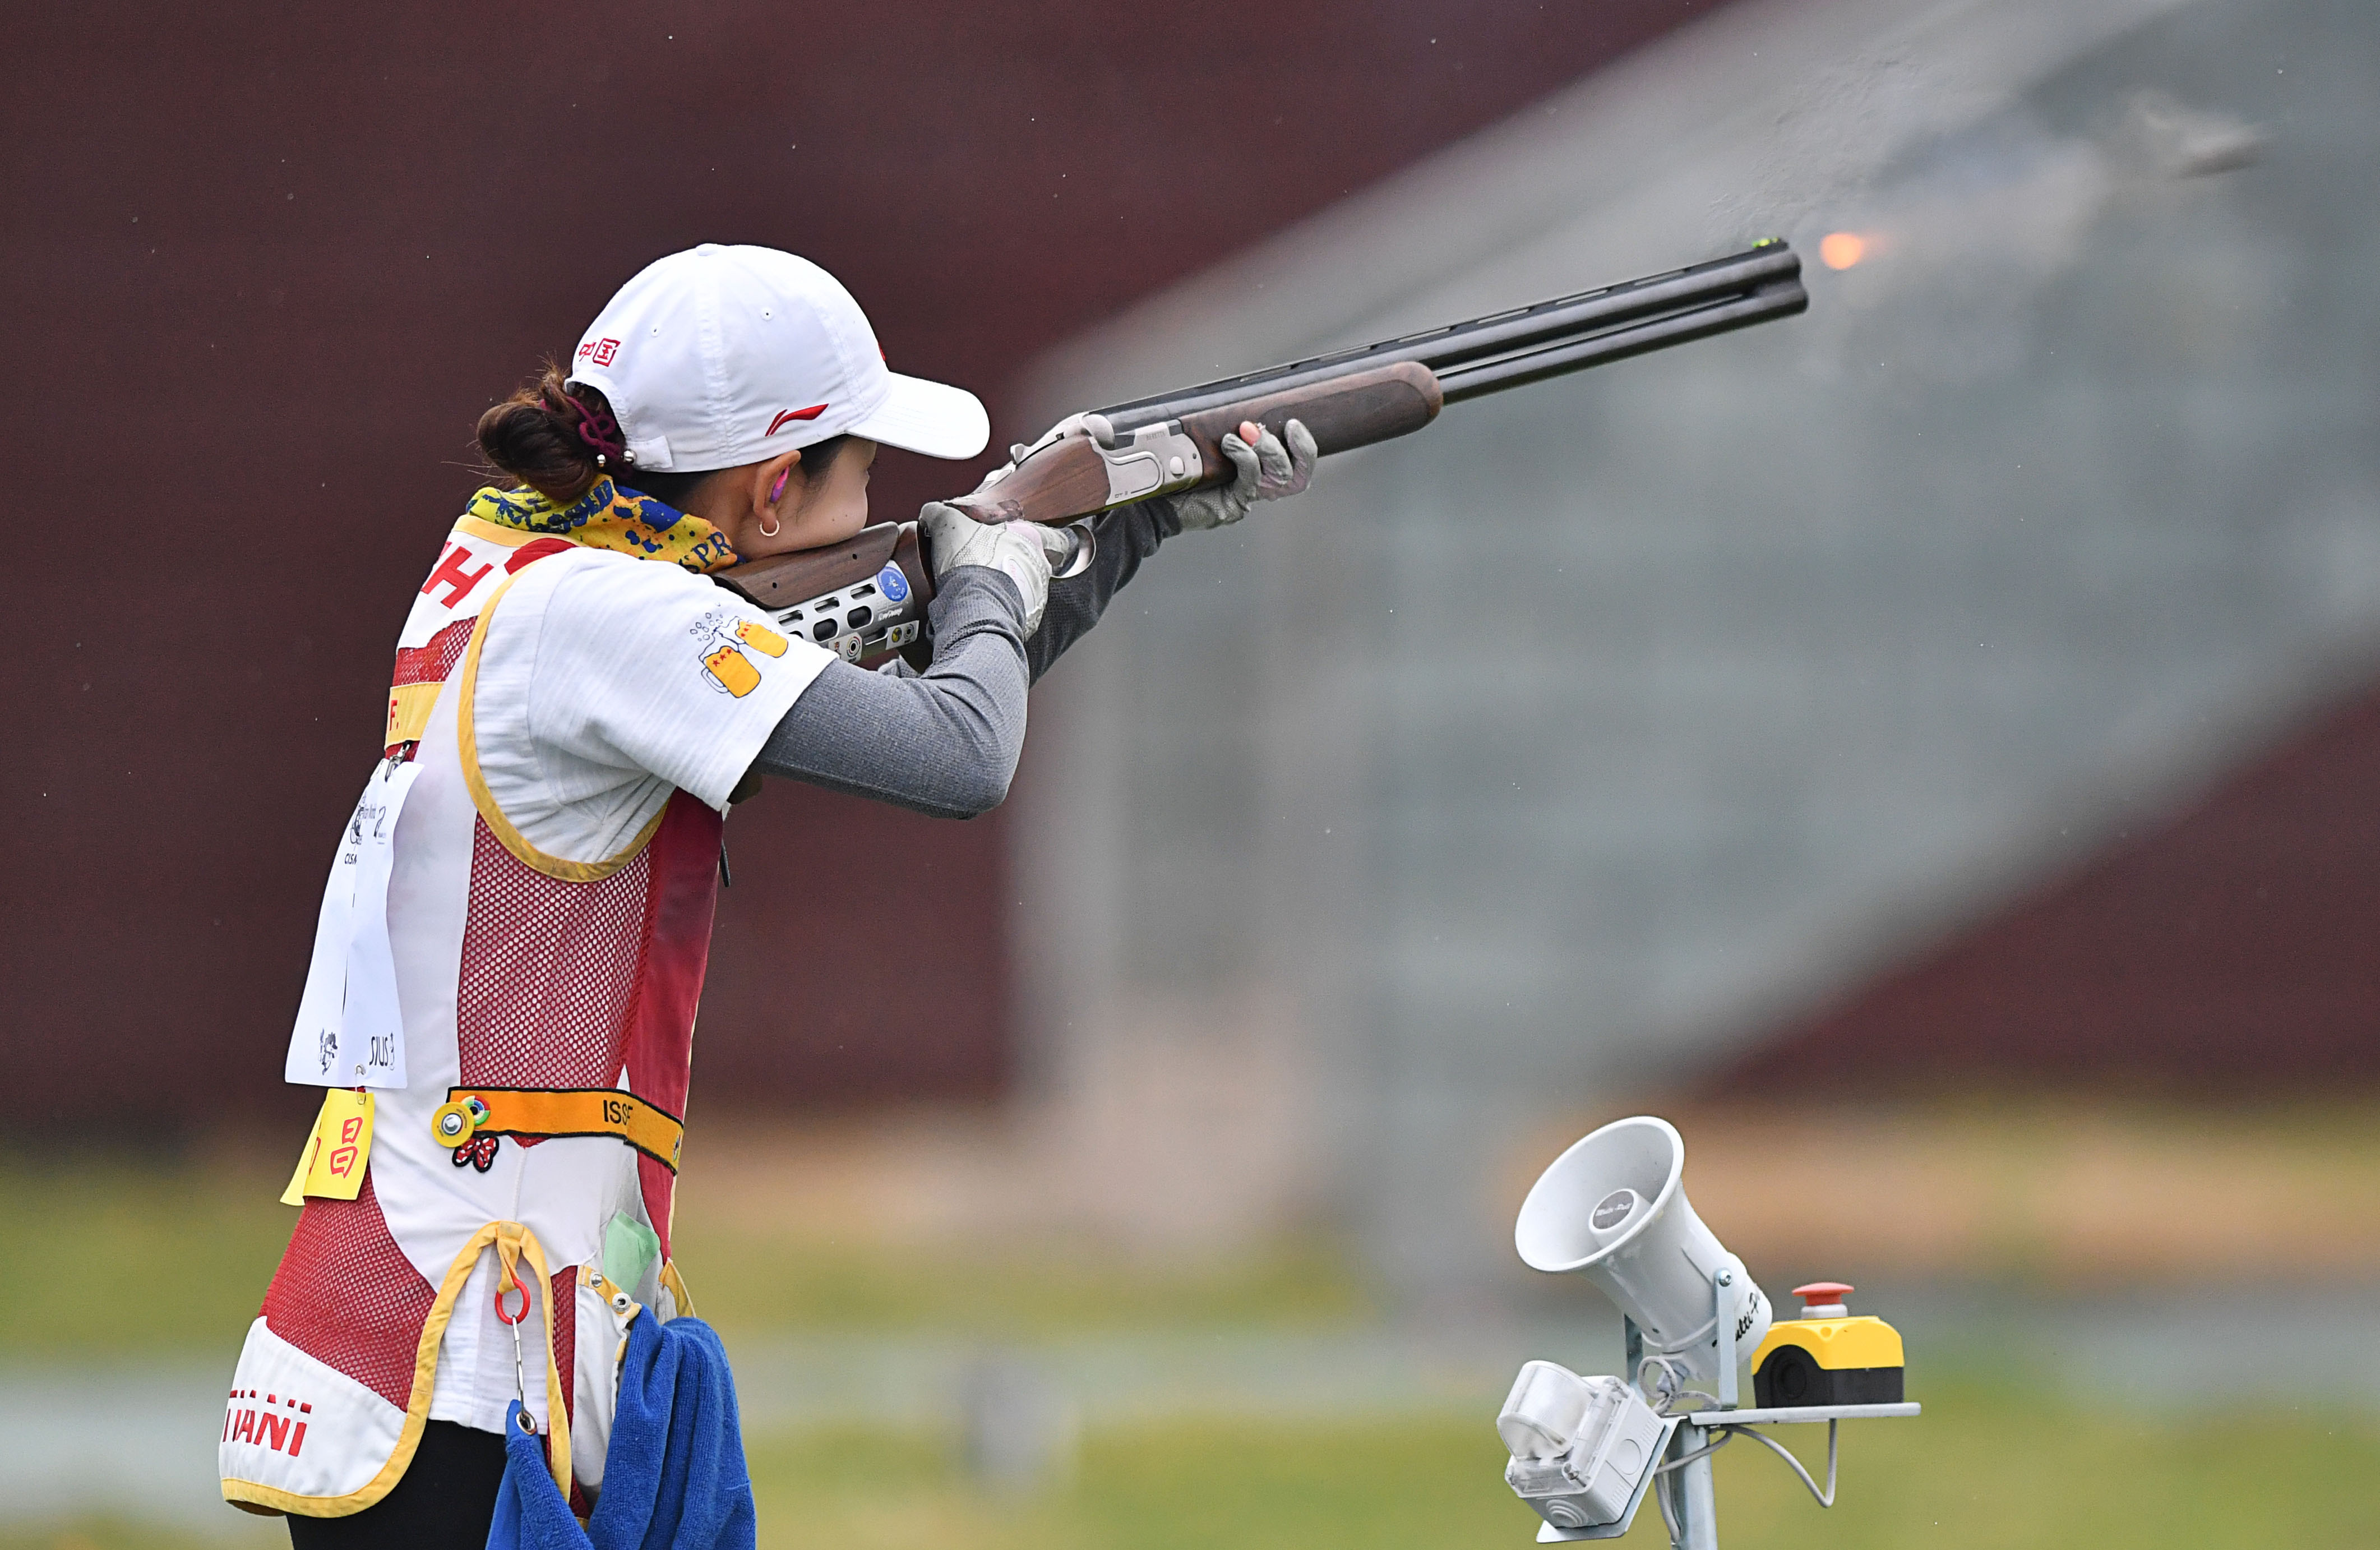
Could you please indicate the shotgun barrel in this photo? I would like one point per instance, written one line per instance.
(1353, 398)
(1529, 344)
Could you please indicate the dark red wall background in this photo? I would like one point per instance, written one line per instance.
(2231, 948)
(266, 263)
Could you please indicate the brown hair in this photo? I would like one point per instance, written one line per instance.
(548, 437)
(541, 436)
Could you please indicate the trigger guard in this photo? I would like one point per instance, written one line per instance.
(1086, 546)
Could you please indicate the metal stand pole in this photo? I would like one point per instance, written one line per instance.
(1696, 1502)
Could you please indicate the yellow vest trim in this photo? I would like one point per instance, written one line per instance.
(408, 711)
(409, 704)
(513, 1242)
(1862, 1340)
(511, 538)
(481, 797)
(676, 1283)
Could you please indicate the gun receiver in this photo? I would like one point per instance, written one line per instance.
(844, 597)
(1101, 467)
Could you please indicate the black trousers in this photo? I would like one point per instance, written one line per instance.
(447, 1500)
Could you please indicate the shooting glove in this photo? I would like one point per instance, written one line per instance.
(1017, 550)
(1265, 471)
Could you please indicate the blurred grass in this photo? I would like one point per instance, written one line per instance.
(775, 1235)
(106, 1534)
(162, 1259)
(1987, 1466)
(175, 1257)
(747, 1285)
(2074, 1194)
(143, 1257)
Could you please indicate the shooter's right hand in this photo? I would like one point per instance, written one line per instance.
(1016, 550)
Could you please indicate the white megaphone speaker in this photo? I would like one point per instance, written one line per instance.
(1613, 1208)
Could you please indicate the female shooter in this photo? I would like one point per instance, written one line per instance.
(502, 993)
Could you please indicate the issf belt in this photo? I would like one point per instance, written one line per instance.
(544, 1112)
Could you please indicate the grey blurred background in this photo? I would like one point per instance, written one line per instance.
(1621, 725)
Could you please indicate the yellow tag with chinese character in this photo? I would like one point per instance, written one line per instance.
(332, 1167)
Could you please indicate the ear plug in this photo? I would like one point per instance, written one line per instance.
(779, 493)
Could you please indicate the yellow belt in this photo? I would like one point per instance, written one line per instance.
(546, 1112)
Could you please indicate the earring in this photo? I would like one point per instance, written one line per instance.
(775, 494)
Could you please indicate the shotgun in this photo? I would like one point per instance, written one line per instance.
(867, 595)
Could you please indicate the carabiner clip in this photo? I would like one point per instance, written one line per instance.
(514, 1321)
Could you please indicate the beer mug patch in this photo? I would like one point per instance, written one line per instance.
(724, 636)
(760, 638)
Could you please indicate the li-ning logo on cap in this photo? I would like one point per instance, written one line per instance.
(783, 415)
(601, 349)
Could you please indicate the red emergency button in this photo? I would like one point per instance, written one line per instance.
(1823, 1300)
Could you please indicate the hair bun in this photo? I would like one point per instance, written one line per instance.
(537, 436)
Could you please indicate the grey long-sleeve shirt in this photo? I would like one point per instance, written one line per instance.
(945, 743)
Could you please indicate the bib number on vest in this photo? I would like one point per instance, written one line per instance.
(348, 1032)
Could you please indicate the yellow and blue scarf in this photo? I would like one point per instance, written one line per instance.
(607, 517)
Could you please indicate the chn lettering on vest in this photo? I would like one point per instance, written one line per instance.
(452, 574)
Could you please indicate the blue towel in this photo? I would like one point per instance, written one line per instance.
(673, 1477)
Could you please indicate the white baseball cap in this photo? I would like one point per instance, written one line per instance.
(723, 355)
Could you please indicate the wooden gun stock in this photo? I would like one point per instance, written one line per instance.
(782, 581)
(1058, 483)
(842, 596)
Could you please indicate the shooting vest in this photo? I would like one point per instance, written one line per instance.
(547, 1011)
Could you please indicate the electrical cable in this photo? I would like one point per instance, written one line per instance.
(1726, 1434)
(1671, 1388)
(1826, 1497)
(1669, 1396)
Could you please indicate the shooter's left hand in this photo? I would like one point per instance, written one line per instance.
(1264, 469)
